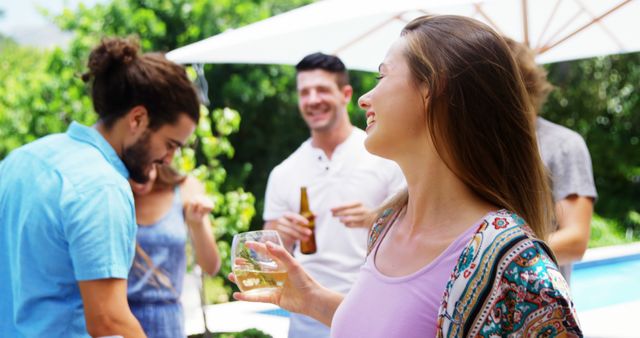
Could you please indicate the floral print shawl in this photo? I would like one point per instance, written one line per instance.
(505, 284)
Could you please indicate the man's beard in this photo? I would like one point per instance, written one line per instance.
(137, 160)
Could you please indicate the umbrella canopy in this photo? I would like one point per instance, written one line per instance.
(361, 31)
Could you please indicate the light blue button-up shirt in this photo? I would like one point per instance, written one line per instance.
(66, 215)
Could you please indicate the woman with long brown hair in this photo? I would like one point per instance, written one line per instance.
(169, 207)
(566, 156)
(460, 252)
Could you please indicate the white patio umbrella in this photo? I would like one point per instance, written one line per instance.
(360, 31)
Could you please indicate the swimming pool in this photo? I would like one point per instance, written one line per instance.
(605, 282)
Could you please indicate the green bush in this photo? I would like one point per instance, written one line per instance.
(250, 333)
(605, 232)
(600, 99)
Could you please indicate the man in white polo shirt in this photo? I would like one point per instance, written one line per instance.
(344, 183)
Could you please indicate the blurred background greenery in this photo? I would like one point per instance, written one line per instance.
(252, 123)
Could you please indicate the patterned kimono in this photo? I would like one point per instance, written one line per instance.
(505, 284)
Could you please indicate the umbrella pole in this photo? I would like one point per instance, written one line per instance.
(201, 84)
(595, 20)
(525, 23)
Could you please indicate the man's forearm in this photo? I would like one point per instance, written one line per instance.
(567, 245)
(570, 241)
(106, 309)
(118, 324)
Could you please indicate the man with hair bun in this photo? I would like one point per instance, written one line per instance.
(67, 217)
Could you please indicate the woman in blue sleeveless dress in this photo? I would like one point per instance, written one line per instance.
(168, 207)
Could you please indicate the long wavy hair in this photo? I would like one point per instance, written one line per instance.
(477, 113)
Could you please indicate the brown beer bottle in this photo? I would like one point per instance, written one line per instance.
(308, 246)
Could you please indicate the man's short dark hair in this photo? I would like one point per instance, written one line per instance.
(329, 63)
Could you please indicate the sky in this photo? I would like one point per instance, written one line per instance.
(23, 22)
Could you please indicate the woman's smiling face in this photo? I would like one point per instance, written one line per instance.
(395, 107)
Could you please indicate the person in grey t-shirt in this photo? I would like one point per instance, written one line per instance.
(567, 158)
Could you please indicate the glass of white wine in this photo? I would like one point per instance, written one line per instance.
(256, 272)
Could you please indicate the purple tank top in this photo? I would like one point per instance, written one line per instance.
(407, 306)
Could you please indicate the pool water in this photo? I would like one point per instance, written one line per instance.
(606, 282)
(276, 312)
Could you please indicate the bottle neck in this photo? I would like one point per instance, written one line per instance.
(304, 200)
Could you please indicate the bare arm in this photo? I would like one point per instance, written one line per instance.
(323, 305)
(570, 241)
(290, 227)
(301, 293)
(197, 207)
(106, 309)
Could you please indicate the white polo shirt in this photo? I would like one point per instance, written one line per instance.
(351, 175)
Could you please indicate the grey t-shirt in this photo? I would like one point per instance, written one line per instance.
(567, 158)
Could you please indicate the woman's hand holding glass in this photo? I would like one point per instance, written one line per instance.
(265, 272)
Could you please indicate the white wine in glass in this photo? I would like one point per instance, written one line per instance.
(255, 271)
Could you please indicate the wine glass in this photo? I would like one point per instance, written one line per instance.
(256, 272)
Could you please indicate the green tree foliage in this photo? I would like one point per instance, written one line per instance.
(600, 99)
(605, 232)
(16, 65)
(37, 96)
